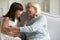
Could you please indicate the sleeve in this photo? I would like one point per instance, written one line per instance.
(37, 25)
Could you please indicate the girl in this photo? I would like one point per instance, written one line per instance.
(11, 19)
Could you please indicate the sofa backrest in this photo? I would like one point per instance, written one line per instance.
(53, 26)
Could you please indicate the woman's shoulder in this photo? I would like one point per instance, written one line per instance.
(42, 18)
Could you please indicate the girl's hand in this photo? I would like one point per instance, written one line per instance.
(14, 31)
(16, 34)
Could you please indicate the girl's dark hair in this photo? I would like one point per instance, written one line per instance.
(13, 8)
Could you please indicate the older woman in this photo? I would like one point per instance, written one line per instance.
(36, 24)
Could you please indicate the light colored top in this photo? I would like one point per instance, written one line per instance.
(37, 29)
(12, 23)
(7, 37)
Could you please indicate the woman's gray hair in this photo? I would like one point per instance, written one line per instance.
(35, 5)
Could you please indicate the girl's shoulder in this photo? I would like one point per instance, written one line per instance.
(6, 18)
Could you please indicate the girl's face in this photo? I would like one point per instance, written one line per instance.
(18, 13)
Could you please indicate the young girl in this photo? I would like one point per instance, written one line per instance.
(11, 19)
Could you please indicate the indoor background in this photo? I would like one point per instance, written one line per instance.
(51, 7)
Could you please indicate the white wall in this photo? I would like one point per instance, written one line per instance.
(54, 7)
(59, 7)
(3, 6)
(11, 1)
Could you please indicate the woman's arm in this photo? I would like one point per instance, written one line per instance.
(37, 25)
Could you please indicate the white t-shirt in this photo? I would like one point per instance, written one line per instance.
(12, 23)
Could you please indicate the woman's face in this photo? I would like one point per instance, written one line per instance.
(18, 13)
(31, 11)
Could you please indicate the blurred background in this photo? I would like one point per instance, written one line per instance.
(51, 7)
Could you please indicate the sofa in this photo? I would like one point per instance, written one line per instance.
(53, 25)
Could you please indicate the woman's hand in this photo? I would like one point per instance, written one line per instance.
(25, 24)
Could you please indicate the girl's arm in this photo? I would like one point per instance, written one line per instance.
(5, 27)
